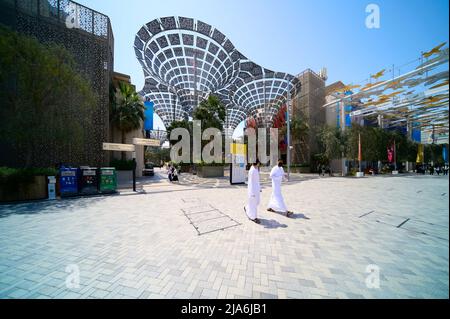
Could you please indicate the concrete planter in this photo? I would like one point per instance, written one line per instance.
(210, 171)
(36, 189)
(186, 169)
(359, 174)
(303, 170)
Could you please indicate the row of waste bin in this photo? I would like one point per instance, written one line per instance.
(87, 180)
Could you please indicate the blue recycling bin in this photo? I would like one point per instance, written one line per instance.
(68, 181)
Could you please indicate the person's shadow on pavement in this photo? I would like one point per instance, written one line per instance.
(299, 216)
(293, 216)
(271, 223)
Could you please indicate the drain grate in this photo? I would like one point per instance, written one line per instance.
(205, 218)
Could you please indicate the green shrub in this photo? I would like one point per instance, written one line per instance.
(42, 90)
(122, 165)
(14, 176)
(386, 169)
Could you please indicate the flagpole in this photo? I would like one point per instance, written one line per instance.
(395, 156)
(288, 133)
(359, 174)
(342, 127)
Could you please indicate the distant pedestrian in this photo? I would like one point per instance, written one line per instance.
(175, 175)
(330, 172)
(170, 172)
(253, 192)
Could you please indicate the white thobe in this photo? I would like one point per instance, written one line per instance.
(276, 200)
(253, 190)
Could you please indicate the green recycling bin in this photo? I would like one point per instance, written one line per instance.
(108, 180)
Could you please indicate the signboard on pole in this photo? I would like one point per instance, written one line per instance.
(146, 142)
(237, 172)
(118, 147)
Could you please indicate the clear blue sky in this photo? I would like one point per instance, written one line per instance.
(292, 35)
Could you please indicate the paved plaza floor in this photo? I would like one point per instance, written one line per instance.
(374, 237)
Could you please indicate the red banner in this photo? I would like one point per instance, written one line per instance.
(390, 153)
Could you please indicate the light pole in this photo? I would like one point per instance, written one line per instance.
(288, 133)
(342, 110)
(134, 170)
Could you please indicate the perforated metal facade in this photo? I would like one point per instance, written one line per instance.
(88, 37)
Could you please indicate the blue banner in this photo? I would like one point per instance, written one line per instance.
(148, 123)
(416, 135)
(348, 120)
(445, 153)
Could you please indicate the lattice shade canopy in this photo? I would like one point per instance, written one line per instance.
(185, 60)
(416, 98)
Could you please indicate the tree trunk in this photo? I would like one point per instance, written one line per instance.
(123, 142)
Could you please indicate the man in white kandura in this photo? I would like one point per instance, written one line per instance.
(276, 203)
(253, 189)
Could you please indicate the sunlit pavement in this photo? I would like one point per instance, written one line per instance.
(374, 237)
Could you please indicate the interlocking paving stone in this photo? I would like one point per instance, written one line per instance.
(264, 295)
(143, 246)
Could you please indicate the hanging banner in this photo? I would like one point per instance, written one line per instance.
(416, 135)
(148, 123)
(445, 153)
(390, 153)
(419, 158)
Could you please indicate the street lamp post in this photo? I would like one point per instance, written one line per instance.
(288, 133)
(342, 110)
(134, 171)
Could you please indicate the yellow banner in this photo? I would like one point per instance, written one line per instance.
(419, 158)
(238, 149)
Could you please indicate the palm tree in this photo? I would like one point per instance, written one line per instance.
(299, 129)
(127, 110)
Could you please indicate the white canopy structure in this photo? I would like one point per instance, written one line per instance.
(184, 60)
